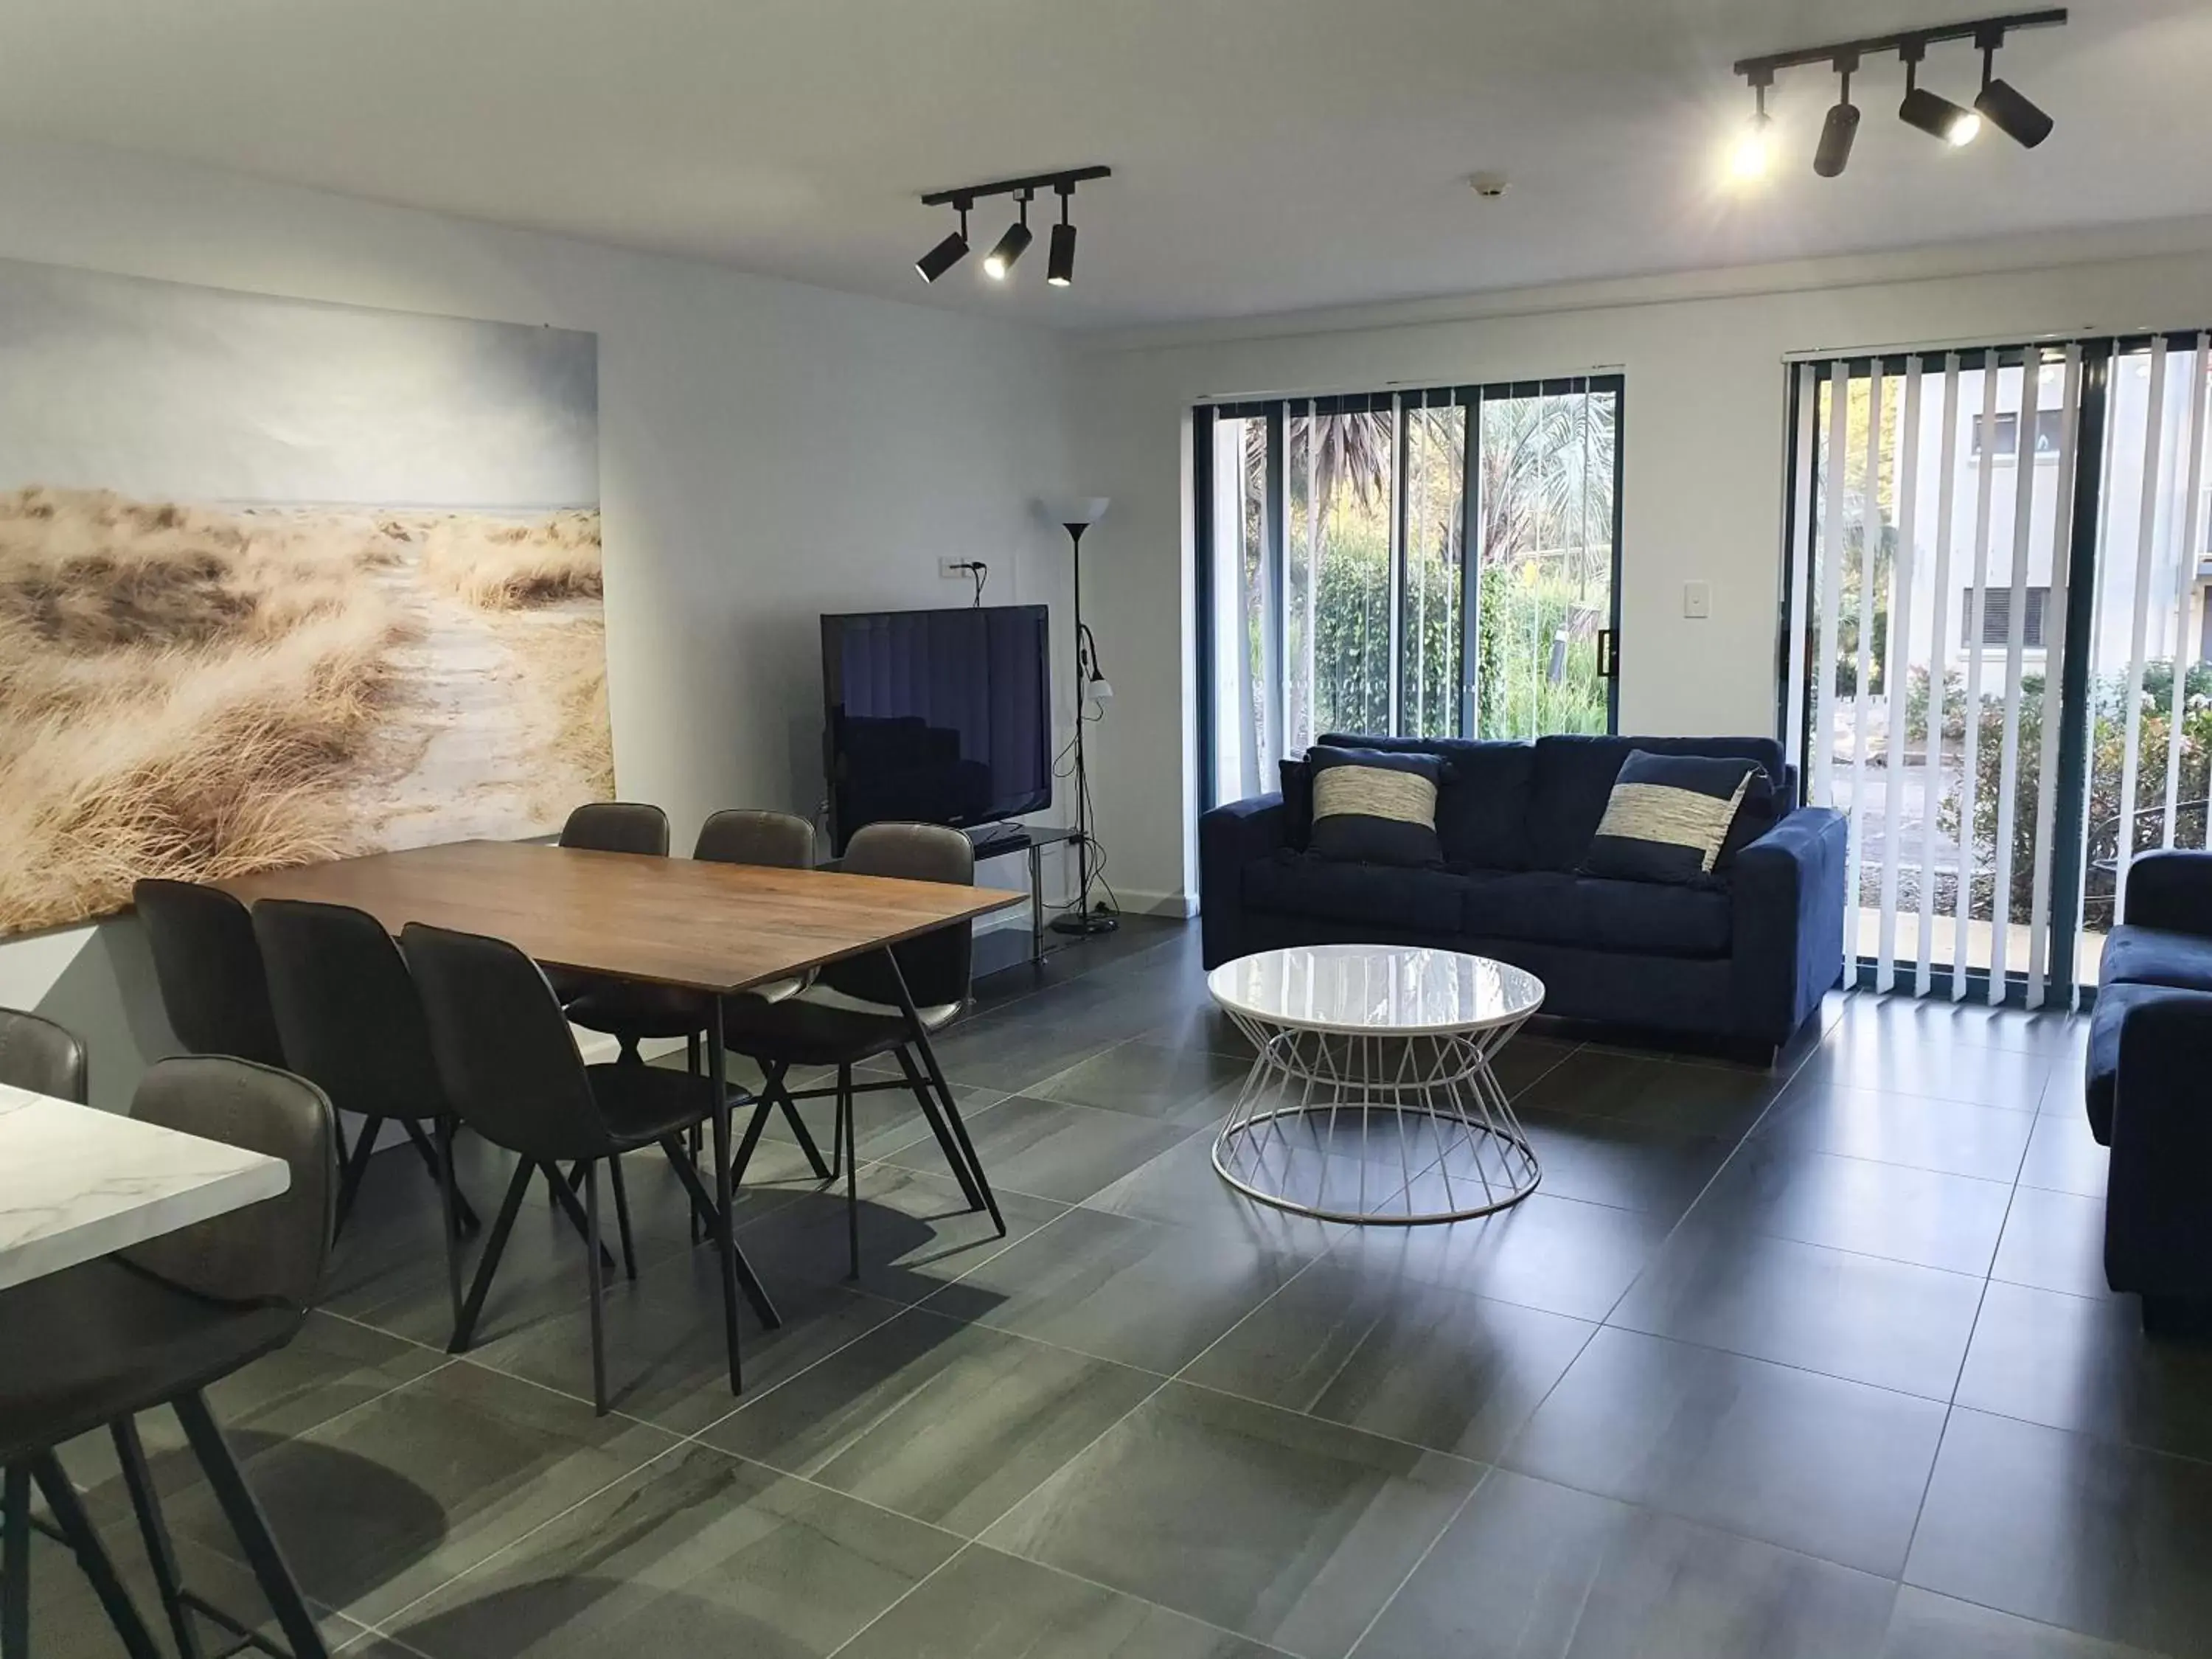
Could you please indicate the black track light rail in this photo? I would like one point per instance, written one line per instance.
(967, 195)
(1907, 44)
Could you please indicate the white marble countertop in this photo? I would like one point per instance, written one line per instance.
(77, 1182)
(1376, 990)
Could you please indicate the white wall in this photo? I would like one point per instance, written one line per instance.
(1703, 468)
(767, 452)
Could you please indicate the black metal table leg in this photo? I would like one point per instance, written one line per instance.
(726, 1232)
(937, 1127)
(920, 1036)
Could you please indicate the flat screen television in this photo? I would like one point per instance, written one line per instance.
(937, 716)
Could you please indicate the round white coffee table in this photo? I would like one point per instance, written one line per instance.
(1371, 1097)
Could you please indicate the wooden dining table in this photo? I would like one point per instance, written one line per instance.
(695, 925)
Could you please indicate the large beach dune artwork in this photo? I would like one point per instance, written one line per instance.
(281, 581)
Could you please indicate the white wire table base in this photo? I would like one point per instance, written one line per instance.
(1376, 1128)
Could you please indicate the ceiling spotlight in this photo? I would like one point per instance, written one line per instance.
(1999, 104)
(1840, 129)
(1754, 152)
(1933, 113)
(947, 253)
(2003, 105)
(998, 263)
(1000, 259)
(1060, 259)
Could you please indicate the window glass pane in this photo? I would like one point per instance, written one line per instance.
(1547, 562)
(1338, 625)
(1431, 625)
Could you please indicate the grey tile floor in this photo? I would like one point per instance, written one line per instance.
(1812, 1361)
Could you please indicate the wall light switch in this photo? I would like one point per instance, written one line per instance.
(1697, 600)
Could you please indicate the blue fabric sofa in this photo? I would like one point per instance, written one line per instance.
(1742, 962)
(2149, 1088)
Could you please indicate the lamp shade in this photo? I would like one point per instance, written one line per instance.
(1076, 509)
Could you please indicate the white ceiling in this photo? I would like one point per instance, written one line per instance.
(1270, 154)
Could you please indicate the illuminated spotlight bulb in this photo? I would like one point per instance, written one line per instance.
(1753, 155)
(1935, 114)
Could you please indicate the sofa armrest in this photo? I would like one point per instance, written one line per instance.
(2170, 890)
(1229, 838)
(2158, 1228)
(1788, 922)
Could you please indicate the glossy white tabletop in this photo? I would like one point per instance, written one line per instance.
(77, 1182)
(1374, 988)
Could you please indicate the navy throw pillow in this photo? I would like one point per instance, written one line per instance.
(1370, 807)
(1667, 817)
(1297, 804)
(1760, 810)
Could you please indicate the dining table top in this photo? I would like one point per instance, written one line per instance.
(692, 923)
(77, 1183)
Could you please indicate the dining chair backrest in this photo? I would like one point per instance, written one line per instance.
(618, 826)
(935, 964)
(37, 1055)
(208, 965)
(780, 840)
(347, 1008)
(272, 1252)
(506, 1055)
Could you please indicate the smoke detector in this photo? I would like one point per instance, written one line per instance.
(1489, 185)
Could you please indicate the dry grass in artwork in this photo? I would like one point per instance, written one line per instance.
(506, 567)
(199, 691)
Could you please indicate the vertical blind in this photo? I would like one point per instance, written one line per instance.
(1946, 634)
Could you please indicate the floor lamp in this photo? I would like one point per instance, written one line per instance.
(1075, 517)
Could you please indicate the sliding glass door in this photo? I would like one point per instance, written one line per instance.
(1995, 639)
(1350, 581)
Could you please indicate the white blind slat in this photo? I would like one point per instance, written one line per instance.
(1970, 755)
(2185, 555)
(2054, 673)
(2023, 526)
(1822, 791)
(1896, 677)
(1862, 681)
(2139, 629)
(1939, 642)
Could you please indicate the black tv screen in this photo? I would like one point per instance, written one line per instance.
(937, 716)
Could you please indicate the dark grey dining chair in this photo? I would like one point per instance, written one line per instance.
(96, 1344)
(632, 1012)
(37, 1055)
(509, 1066)
(208, 965)
(352, 1025)
(618, 826)
(856, 1010)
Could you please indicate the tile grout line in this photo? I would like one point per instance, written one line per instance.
(1951, 1405)
(1420, 1561)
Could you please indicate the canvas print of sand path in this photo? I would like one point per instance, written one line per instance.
(390, 640)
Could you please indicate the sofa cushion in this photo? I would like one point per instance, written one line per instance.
(1378, 895)
(1374, 807)
(2135, 955)
(1482, 810)
(1667, 817)
(1592, 912)
(1574, 778)
(2101, 1076)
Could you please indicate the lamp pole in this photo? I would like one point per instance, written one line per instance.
(1082, 920)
